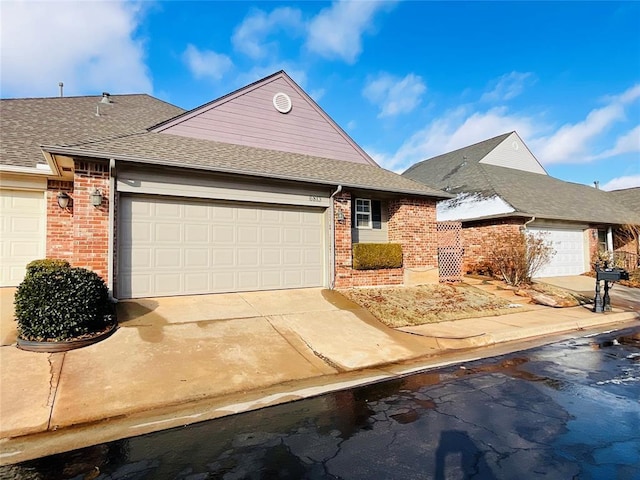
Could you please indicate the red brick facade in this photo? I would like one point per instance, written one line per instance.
(412, 223)
(475, 234)
(80, 233)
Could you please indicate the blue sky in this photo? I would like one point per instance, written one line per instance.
(407, 80)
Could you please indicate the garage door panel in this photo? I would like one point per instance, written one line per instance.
(271, 257)
(224, 234)
(22, 233)
(196, 233)
(270, 235)
(215, 247)
(248, 280)
(569, 252)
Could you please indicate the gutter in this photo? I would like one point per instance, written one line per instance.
(111, 235)
(332, 254)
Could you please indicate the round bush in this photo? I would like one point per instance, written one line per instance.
(60, 304)
(46, 265)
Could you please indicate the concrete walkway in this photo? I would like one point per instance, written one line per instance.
(172, 353)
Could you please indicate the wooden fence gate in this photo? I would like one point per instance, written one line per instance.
(450, 251)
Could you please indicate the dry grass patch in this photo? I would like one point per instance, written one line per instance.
(404, 306)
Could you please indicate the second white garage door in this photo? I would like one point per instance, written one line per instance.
(183, 247)
(569, 257)
(22, 233)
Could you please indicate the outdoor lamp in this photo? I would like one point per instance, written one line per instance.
(63, 200)
(340, 215)
(96, 198)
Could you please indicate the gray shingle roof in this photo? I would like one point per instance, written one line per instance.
(174, 150)
(629, 198)
(27, 123)
(530, 194)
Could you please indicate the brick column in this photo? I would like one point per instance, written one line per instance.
(91, 224)
(342, 232)
(59, 222)
(412, 223)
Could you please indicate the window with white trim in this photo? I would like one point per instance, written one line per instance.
(367, 213)
(363, 213)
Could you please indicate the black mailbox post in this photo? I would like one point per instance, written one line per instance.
(603, 304)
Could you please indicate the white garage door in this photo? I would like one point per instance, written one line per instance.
(22, 233)
(183, 247)
(569, 247)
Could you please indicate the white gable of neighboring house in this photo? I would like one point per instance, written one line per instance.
(467, 206)
(275, 114)
(513, 153)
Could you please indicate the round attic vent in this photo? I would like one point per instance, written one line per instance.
(515, 145)
(282, 102)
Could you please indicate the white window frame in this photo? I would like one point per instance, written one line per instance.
(369, 213)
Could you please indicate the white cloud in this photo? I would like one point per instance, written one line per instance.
(336, 32)
(626, 143)
(206, 63)
(90, 46)
(573, 143)
(394, 95)
(453, 130)
(249, 37)
(618, 183)
(508, 86)
(317, 94)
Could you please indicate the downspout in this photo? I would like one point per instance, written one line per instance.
(532, 219)
(112, 203)
(332, 255)
(610, 240)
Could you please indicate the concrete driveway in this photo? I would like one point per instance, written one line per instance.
(622, 297)
(178, 349)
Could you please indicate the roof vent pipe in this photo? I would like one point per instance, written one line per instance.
(61, 85)
(106, 98)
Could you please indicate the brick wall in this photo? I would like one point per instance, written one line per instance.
(475, 234)
(91, 224)
(59, 222)
(412, 223)
(80, 233)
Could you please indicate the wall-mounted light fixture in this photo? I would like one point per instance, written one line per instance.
(96, 197)
(340, 215)
(63, 200)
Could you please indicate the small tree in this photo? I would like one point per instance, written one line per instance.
(516, 257)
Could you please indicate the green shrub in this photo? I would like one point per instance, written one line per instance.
(46, 265)
(60, 304)
(371, 256)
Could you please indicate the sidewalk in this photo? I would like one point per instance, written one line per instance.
(178, 360)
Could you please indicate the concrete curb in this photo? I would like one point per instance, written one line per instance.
(523, 333)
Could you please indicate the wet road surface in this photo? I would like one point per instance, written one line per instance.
(566, 410)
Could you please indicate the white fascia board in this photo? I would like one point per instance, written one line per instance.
(468, 206)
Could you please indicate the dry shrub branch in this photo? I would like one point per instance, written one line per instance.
(516, 257)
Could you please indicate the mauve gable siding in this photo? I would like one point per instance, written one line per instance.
(250, 119)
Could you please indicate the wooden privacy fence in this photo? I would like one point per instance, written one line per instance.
(450, 251)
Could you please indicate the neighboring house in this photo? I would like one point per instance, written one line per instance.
(500, 186)
(253, 191)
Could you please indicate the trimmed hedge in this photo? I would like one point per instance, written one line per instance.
(62, 303)
(46, 265)
(372, 256)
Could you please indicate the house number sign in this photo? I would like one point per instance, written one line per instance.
(315, 198)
